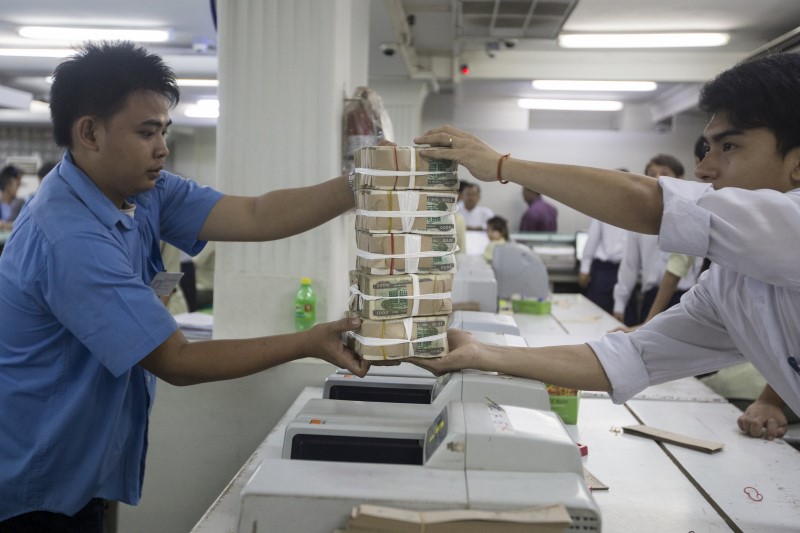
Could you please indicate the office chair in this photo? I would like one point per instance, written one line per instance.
(519, 270)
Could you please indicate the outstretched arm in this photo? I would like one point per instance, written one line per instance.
(277, 214)
(619, 198)
(180, 362)
(574, 366)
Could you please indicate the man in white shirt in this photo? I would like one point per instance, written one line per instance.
(474, 215)
(745, 218)
(600, 263)
(643, 261)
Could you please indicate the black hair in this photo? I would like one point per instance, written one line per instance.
(500, 224)
(759, 93)
(463, 185)
(99, 78)
(666, 160)
(9, 172)
(700, 148)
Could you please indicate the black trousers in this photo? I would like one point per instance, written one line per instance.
(650, 296)
(188, 285)
(602, 278)
(87, 520)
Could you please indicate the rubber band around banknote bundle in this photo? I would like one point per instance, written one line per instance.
(415, 297)
(406, 217)
(391, 261)
(411, 258)
(408, 326)
(412, 172)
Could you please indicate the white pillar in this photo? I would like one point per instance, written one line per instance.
(284, 69)
(403, 100)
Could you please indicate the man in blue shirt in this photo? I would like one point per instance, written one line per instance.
(82, 335)
(10, 205)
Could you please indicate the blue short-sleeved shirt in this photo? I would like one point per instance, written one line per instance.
(76, 316)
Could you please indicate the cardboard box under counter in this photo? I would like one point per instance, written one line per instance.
(421, 327)
(394, 295)
(445, 181)
(400, 158)
(422, 224)
(406, 201)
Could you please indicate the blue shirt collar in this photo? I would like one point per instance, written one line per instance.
(92, 197)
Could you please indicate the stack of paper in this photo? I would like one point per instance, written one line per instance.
(196, 326)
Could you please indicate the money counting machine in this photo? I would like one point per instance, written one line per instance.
(473, 321)
(464, 456)
(400, 385)
(407, 383)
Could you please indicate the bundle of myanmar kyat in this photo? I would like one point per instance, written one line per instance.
(406, 246)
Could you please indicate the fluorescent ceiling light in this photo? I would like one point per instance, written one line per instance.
(188, 82)
(36, 52)
(204, 108)
(590, 85)
(93, 34)
(642, 40)
(569, 105)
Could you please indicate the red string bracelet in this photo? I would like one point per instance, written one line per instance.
(500, 168)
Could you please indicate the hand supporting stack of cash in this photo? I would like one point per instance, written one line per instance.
(406, 245)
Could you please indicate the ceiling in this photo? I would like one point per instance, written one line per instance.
(505, 43)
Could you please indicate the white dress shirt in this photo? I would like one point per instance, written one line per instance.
(603, 242)
(644, 261)
(745, 307)
(476, 218)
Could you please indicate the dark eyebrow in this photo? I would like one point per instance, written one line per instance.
(157, 123)
(727, 133)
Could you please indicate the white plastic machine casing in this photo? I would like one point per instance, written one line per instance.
(475, 456)
(359, 419)
(474, 281)
(466, 385)
(482, 321)
(416, 384)
(472, 435)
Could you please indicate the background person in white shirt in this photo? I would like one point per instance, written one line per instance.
(600, 263)
(476, 216)
(643, 261)
(745, 218)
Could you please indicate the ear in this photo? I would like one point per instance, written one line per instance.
(793, 161)
(86, 133)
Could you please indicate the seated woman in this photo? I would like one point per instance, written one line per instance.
(497, 230)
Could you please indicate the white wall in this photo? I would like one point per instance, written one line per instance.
(193, 154)
(604, 148)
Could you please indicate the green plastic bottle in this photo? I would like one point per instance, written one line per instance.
(305, 306)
